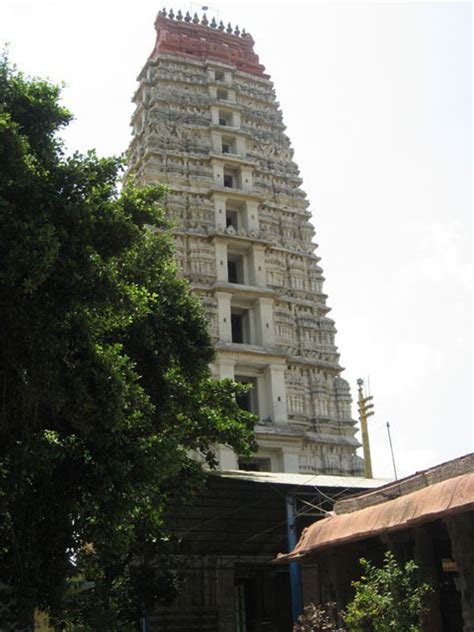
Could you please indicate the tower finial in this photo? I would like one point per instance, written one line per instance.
(195, 19)
(187, 17)
(237, 31)
(171, 14)
(163, 12)
(213, 23)
(221, 26)
(204, 20)
(229, 28)
(179, 15)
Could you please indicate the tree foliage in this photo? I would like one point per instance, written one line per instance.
(387, 599)
(104, 379)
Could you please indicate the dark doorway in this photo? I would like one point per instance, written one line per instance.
(263, 601)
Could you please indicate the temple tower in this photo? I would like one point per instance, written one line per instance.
(207, 124)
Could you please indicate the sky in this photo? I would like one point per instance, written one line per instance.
(377, 100)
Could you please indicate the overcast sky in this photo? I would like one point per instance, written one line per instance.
(377, 99)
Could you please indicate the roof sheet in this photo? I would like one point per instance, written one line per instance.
(454, 495)
(312, 480)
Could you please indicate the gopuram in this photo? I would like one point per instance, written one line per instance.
(207, 125)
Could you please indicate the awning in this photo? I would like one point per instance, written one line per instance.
(455, 495)
(303, 480)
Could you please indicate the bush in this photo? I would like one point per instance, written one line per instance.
(386, 599)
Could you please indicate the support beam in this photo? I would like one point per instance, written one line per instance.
(295, 577)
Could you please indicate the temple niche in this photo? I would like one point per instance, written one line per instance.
(207, 125)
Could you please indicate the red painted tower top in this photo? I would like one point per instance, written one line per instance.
(201, 39)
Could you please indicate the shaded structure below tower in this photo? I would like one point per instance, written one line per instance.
(231, 537)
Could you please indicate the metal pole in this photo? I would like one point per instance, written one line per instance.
(295, 577)
(364, 412)
(391, 450)
(146, 623)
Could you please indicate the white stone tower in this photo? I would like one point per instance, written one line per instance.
(207, 125)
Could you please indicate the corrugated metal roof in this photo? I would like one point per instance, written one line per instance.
(313, 480)
(448, 497)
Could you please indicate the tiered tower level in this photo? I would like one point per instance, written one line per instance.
(208, 126)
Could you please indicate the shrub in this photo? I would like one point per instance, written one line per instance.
(386, 599)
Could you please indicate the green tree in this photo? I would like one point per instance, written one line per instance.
(104, 379)
(387, 599)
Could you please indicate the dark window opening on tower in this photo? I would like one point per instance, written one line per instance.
(248, 401)
(239, 319)
(225, 119)
(231, 179)
(255, 465)
(219, 75)
(237, 328)
(232, 219)
(235, 269)
(222, 95)
(232, 272)
(228, 145)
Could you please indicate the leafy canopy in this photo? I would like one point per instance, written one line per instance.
(387, 599)
(104, 379)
